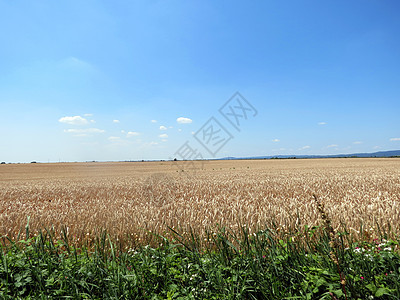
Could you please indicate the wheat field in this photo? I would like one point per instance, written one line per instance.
(132, 200)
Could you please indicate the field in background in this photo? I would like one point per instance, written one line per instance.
(133, 199)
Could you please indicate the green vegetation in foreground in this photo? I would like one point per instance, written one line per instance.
(249, 266)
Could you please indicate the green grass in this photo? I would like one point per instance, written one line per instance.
(264, 265)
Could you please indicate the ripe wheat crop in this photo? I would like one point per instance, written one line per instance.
(133, 200)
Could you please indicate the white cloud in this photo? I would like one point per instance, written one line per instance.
(305, 147)
(76, 64)
(75, 120)
(87, 130)
(115, 121)
(322, 123)
(163, 136)
(275, 140)
(179, 130)
(92, 121)
(164, 140)
(122, 131)
(132, 133)
(182, 120)
(163, 128)
(357, 142)
(88, 115)
(153, 121)
(114, 138)
(153, 143)
(376, 147)
(331, 146)
(394, 139)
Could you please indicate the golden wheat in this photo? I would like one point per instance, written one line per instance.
(132, 200)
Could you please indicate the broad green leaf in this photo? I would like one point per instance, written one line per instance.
(381, 291)
(371, 287)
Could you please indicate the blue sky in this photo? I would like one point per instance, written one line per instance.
(109, 80)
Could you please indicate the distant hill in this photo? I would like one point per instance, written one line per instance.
(390, 153)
